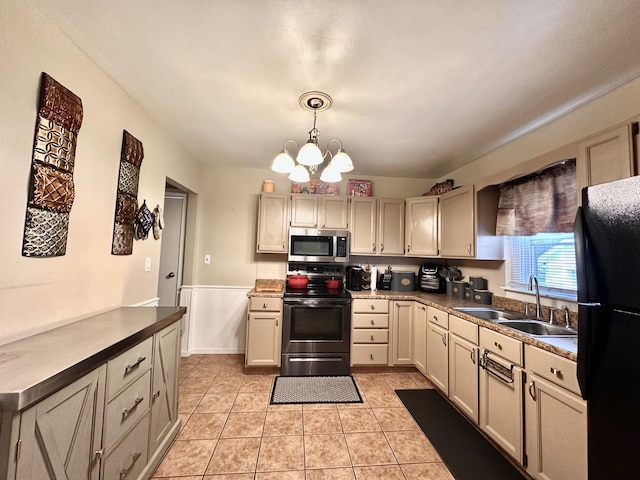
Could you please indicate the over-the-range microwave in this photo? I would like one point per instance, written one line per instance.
(312, 245)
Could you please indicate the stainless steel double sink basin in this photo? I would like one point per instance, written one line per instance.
(517, 321)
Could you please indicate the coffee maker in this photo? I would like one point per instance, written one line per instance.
(354, 278)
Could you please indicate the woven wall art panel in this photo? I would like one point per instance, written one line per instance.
(52, 190)
(131, 157)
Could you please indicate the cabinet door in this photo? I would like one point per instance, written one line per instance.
(457, 217)
(556, 426)
(421, 226)
(62, 435)
(164, 396)
(402, 318)
(606, 157)
(501, 410)
(438, 356)
(463, 375)
(273, 223)
(363, 225)
(333, 212)
(304, 211)
(264, 339)
(390, 227)
(420, 337)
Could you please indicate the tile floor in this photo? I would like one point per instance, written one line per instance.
(230, 432)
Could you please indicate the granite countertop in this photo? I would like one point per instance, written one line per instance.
(39, 365)
(564, 347)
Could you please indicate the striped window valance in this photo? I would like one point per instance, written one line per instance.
(541, 202)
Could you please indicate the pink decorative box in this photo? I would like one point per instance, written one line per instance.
(359, 188)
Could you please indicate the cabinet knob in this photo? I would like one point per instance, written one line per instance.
(264, 305)
(372, 338)
(498, 346)
(556, 371)
(156, 394)
(371, 356)
(373, 307)
(373, 322)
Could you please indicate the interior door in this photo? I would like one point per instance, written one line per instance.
(172, 250)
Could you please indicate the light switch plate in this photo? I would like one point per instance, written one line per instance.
(147, 264)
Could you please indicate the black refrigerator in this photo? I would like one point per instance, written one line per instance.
(607, 235)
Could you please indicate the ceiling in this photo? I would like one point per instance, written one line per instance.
(419, 87)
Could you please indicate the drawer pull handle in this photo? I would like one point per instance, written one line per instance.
(127, 411)
(373, 322)
(473, 357)
(128, 368)
(498, 346)
(264, 305)
(373, 307)
(532, 390)
(98, 453)
(125, 471)
(444, 339)
(156, 394)
(556, 371)
(372, 338)
(371, 356)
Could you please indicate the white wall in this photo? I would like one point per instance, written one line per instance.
(38, 293)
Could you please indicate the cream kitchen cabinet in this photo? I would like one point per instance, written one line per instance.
(457, 223)
(556, 418)
(463, 366)
(264, 332)
(501, 402)
(273, 223)
(377, 226)
(607, 156)
(304, 211)
(438, 348)
(421, 226)
(329, 212)
(402, 333)
(420, 337)
(369, 331)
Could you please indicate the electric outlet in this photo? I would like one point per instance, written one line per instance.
(147, 264)
(207, 259)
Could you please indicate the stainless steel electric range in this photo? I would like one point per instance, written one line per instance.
(316, 325)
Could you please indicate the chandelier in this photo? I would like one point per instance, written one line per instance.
(310, 157)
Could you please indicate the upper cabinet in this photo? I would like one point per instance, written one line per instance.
(320, 211)
(457, 223)
(377, 226)
(607, 156)
(273, 223)
(421, 226)
(304, 211)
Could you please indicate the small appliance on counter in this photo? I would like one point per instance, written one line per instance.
(354, 278)
(429, 280)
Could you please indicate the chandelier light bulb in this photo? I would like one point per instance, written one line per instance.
(310, 154)
(299, 174)
(342, 162)
(283, 163)
(330, 174)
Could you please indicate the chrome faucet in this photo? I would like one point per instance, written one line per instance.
(533, 286)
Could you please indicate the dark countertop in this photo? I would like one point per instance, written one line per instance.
(37, 366)
(564, 347)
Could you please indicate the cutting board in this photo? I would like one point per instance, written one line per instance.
(269, 285)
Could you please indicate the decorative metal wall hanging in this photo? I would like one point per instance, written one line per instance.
(51, 190)
(127, 202)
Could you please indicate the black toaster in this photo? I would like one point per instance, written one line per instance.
(429, 280)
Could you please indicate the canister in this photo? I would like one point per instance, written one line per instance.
(478, 283)
(482, 296)
(458, 289)
(267, 186)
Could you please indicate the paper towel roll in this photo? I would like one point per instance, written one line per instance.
(374, 278)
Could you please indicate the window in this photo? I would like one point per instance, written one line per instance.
(551, 257)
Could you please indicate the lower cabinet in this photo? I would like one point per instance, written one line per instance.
(264, 332)
(402, 333)
(463, 366)
(369, 332)
(420, 337)
(438, 356)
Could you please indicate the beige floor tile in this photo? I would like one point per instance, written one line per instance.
(358, 420)
(228, 476)
(391, 419)
(281, 454)
(195, 477)
(383, 398)
(185, 458)
(226, 384)
(256, 383)
(331, 474)
(244, 424)
(401, 381)
(251, 401)
(205, 370)
(187, 402)
(216, 403)
(234, 455)
(371, 381)
(195, 385)
(283, 422)
(386, 472)
(326, 451)
(321, 421)
(319, 406)
(285, 407)
(369, 449)
(203, 426)
(426, 471)
(412, 447)
(421, 380)
(290, 475)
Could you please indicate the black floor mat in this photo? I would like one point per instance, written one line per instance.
(467, 454)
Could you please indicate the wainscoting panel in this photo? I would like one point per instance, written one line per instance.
(216, 318)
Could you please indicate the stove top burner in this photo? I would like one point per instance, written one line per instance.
(317, 274)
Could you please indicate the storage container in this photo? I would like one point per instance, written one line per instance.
(403, 281)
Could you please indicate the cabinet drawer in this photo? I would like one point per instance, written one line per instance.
(365, 305)
(554, 368)
(130, 457)
(126, 409)
(367, 320)
(506, 347)
(370, 336)
(438, 317)
(126, 367)
(463, 329)
(263, 304)
(369, 354)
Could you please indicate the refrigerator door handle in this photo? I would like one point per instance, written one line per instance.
(581, 256)
(587, 314)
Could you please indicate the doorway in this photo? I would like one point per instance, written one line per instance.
(170, 270)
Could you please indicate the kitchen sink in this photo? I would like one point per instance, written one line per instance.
(491, 313)
(537, 328)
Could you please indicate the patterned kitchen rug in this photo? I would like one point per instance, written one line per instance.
(464, 450)
(315, 389)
